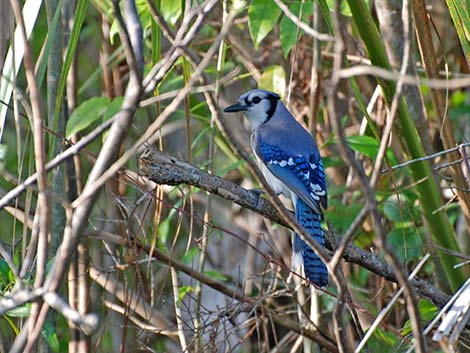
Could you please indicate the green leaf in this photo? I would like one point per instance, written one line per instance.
(341, 215)
(343, 8)
(216, 275)
(171, 10)
(113, 108)
(369, 147)
(273, 79)
(113, 30)
(7, 279)
(5, 276)
(164, 230)
(406, 242)
(80, 13)
(427, 311)
(3, 151)
(86, 114)
(189, 255)
(50, 335)
(332, 161)
(458, 98)
(400, 209)
(183, 290)
(384, 342)
(262, 16)
(144, 13)
(20, 311)
(459, 12)
(288, 30)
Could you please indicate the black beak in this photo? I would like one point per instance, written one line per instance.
(237, 107)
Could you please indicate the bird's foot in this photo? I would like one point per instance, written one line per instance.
(258, 193)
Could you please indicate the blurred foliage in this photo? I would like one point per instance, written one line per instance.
(271, 52)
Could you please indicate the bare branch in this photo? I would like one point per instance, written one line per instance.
(365, 183)
(19, 298)
(130, 152)
(163, 169)
(305, 27)
(442, 84)
(107, 154)
(253, 304)
(88, 323)
(432, 156)
(389, 305)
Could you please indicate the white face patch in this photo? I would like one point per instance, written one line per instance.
(257, 113)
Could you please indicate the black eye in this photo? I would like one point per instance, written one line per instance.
(256, 100)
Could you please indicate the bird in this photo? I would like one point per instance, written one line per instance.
(290, 161)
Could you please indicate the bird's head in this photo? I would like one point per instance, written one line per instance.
(258, 105)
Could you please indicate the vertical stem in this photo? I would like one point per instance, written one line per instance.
(431, 68)
(431, 201)
(179, 323)
(78, 272)
(210, 157)
(314, 103)
(39, 149)
(315, 77)
(156, 56)
(42, 208)
(54, 67)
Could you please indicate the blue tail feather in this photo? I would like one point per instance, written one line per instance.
(315, 270)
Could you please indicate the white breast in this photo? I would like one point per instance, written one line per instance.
(278, 186)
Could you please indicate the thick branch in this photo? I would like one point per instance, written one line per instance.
(167, 170)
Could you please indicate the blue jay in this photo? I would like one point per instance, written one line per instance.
(289, 159)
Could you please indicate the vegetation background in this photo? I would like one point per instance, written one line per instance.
(126, 217)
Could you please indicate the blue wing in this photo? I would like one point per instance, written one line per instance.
(302, 174)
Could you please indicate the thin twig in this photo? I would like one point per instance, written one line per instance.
(305, 27)
(19, 298)
(87, 323)
(152, 129)
(392, 75)
(42, 208)
(389, 305)
(143, 325)
(108, 153)
(254, 303)
(333, 267)
(425, 158)
(369, 192)
(178, 315)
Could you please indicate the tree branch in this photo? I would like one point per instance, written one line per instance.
(167, 170)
